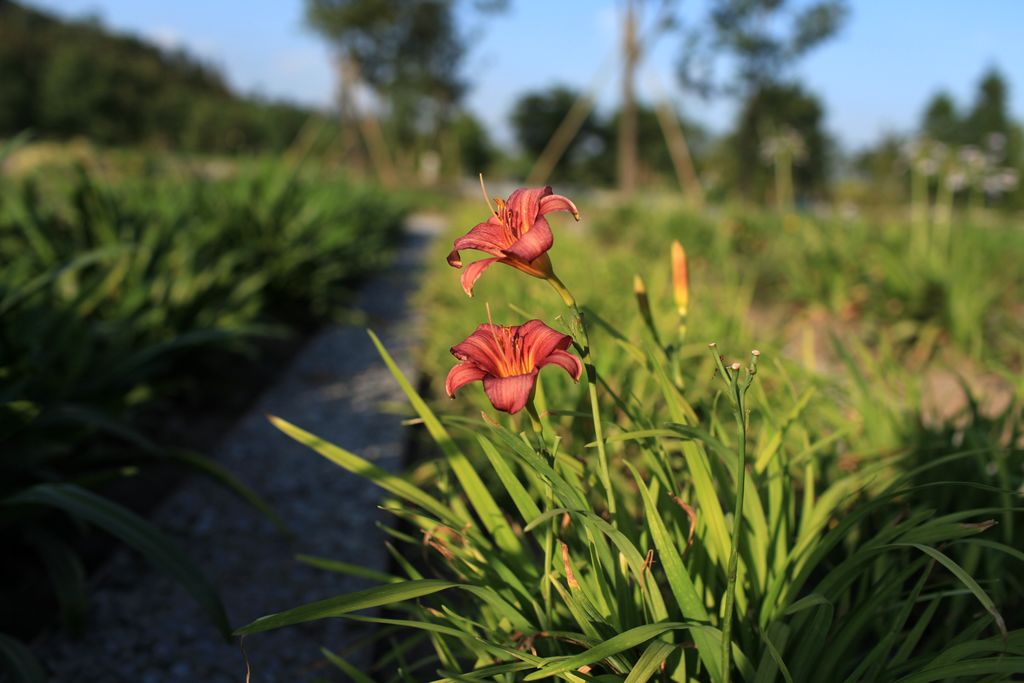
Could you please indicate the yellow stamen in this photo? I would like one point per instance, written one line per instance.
(483, 188)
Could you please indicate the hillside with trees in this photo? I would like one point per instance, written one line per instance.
(65, 78)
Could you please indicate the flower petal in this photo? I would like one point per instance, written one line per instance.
(461, 375)
(490, 237)
(525, 203)
(510, 394)
(536, 241)
(556, 202)
(473, 272)
(566, 361)
(540, 341)
(480, 348)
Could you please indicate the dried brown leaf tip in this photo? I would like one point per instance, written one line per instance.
(570, 578)
(648, 561)
(692, 514)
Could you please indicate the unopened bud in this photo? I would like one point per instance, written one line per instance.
(680, 279)
(639, 288)
(642, 301)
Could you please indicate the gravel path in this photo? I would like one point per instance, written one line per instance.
(144, 628)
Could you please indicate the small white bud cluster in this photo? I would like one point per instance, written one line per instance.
(787, 143)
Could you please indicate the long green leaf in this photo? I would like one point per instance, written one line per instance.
(650, 661)
(133, 530)
(351, 602)
(352, 672)
(67, 576)
(683, 588)
(490, 514)
(614, 645)
(19, 661)
(357, 465)
(520, 497)
(348, 569)
(1010, 666)
(964, 578)
(220, 474)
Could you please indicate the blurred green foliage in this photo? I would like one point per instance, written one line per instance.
(121, 303)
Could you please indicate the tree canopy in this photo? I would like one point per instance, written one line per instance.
(762, 38)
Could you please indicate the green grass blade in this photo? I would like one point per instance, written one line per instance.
(1009, 666)
(776, 657)
(614, 645)
(134, 531)
(350, 602)
(225, 478)
(348, 569)
(911, 640)
(482, 644)
(19, 662)
(352, 672)
(473, 486)
(650, 661)
(690, 604)
(964, 578)
(67, 576)
(357, 465)
(488, 671)
(520, 497)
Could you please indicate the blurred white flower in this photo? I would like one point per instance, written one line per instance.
(956, 180)
(787, 143)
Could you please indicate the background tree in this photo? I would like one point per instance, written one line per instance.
(772, 110)
(882, 171)
(475, 151)
(654, 161)
(941, 121)
(536, 116)
(763, 40)
(410, 55)
(989, 120)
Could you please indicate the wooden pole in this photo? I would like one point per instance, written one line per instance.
(567, 129)
(346, 115)
(369, 127)
(627, 151)
(679, 152)
(560, 140)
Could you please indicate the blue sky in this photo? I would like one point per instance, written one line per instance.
(875, 77)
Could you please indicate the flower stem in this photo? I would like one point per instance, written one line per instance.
(549, 538)
(738, 392)
(579, 329)
(737, 524)
(563, 291)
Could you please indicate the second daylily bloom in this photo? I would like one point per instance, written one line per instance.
(516, 234)
(508, 359)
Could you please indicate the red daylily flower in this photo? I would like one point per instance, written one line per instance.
(516, 234)
(507, 360)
